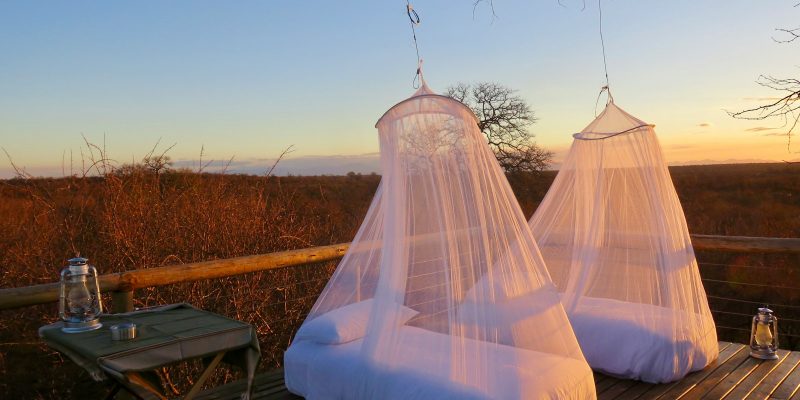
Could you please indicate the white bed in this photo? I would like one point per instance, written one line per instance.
(634, 341)
(338, 371)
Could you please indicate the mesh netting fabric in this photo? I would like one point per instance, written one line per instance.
(444, 280)
(614, 237)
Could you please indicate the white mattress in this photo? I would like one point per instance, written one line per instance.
(642, 341)
(318, 371)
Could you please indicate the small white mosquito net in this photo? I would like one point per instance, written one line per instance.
(613, 235)
(443, 292)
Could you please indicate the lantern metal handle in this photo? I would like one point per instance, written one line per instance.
(97, 291)
(62, 294)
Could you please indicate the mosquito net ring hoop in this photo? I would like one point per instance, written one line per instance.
(579, 136)
(430, 96)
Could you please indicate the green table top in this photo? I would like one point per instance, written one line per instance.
(155, 327)
(165, 335)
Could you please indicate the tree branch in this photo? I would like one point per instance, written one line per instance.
(504, 118)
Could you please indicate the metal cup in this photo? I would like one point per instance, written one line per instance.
(124, 331)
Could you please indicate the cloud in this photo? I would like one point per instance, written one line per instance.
(766, 128)
(759, 129)
(776, 134)
(305, 165)
(704, 124)
(52, 171)
(728, 161)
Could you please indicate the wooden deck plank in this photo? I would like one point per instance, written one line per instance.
(636, 391)
(606, 383)
(683, 386)
(737, 376)
(281, 396)
(234, 389)
(631, 390)
(718, 375)
(788, 387)
(273, 387)
(776, 377)
(677, 389)
(615, 391)
(749, 384)
(734, 375)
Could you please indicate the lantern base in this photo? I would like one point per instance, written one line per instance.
(762, 354)
(76, 327)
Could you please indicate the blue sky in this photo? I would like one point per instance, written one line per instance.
(247, 79)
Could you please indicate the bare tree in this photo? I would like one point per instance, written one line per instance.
(158, 163)
(504, 117)
(786, 107)
(791, 35)
(475, 4)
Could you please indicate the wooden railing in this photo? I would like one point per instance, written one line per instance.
(746, 244)
(122, 284)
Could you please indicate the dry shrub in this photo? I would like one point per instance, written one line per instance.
(138, 216)
(146, 215)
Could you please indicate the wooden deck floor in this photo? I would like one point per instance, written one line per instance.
(734, 376)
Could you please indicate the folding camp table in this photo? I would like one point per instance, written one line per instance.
(165, 335)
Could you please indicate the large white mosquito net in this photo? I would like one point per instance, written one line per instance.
(443, 292)
(613, 235)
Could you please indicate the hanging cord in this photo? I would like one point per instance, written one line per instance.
(413, 17)
(605, 88)
(610, 99)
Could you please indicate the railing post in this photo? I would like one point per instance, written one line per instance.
(122, 301)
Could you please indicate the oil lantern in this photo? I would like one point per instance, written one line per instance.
(764, 335)
(78, 307)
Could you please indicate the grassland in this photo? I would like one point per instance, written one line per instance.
(136, 218)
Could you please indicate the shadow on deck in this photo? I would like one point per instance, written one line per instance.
(735, 375)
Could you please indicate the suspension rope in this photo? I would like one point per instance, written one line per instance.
(602, 41)
(605, 88)
(413, 17)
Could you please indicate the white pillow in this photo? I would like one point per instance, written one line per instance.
(345, 324)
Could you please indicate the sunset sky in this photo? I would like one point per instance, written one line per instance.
(247, 79)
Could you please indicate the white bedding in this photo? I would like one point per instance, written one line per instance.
(633, 341)
(318, 371)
